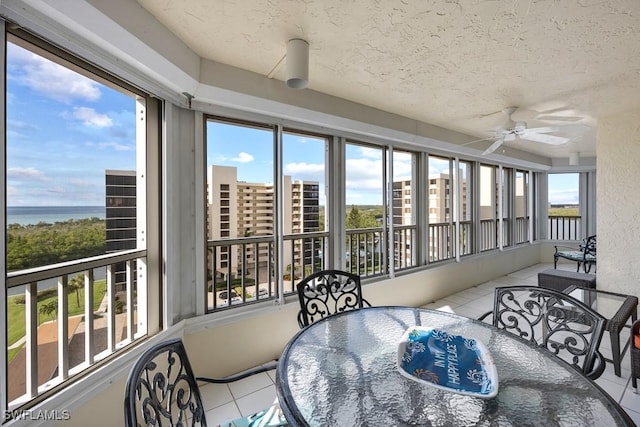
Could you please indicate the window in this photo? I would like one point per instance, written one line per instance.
(75, 180)
(364, 200)
(304, 174)
(565, 222)
(488, 208)
(405, 238)
(465, 217)
(521, 207)
(440, 219)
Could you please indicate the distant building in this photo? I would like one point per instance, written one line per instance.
(237, 209)
(120, 191)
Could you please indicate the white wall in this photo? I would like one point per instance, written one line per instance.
(618, 207)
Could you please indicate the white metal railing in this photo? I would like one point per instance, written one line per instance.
(40, 359)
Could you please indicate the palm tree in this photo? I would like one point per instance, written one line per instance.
(75, 284)
(50, 309)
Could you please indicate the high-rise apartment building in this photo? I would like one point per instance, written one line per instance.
(237, 209)
(120, 213)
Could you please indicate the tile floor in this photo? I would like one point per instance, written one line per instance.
(225, 402)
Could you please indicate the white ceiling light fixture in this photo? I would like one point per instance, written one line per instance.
(297, 63)
(574, 159)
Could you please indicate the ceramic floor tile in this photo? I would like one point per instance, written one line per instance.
(614, 389)
(257, 401)
(475, 292)
(460, 298)
(250, 384)
(214, 395)
(222, 414)
(272, 375)
(635, 416)
(630, 399)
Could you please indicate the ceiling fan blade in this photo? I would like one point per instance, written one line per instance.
(546, 139)
(493, 147)
(474, 141)
(559, 128)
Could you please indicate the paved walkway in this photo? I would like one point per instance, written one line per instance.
(48, 348)
(47, 357)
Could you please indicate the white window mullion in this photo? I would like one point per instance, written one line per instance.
(456, 187)
(130, 277)
(500, 186)
(389, 216)
(3, 295)
(278, 180)
(530, 206)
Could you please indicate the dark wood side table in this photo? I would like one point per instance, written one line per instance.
(617, 309)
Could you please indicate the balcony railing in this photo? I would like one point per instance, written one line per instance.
(98, 304)
(564, 228)
(440, 241)
(242, 271)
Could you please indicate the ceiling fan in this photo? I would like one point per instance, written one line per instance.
(519, 130)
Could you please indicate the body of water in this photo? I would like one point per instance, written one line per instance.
(25, 215)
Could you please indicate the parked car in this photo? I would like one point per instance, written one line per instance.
(224, 296)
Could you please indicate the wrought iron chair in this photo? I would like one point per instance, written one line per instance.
(585, 255)
(327, 292)
(162, 390)
(553, 320)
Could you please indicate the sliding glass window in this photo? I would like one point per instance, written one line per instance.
(76, 204)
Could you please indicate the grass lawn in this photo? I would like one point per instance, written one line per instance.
(564, 212)
(16, 311)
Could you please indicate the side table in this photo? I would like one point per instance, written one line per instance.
(617, 309)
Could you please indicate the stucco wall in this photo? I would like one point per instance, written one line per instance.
(618, 208)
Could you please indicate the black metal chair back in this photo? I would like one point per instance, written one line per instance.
(162, 390)
(327, 292)
(556, 321)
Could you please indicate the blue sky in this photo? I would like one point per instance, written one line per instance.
(64, 130)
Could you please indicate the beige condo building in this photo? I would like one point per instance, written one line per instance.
(239, 209)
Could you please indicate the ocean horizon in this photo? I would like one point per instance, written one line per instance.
(27, 215)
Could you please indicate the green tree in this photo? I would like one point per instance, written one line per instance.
(357, 218)
(75, 284)
(50, 309)
(42, 244)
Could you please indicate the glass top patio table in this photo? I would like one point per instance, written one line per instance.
(342, 371)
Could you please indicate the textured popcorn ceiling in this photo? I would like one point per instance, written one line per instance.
(448, 63)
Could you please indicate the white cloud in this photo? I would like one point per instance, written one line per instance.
(114, 146)
(31, 174)
(568, 196)
(304, 170)
(90, 117)
(49, 78)
(242, 158)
